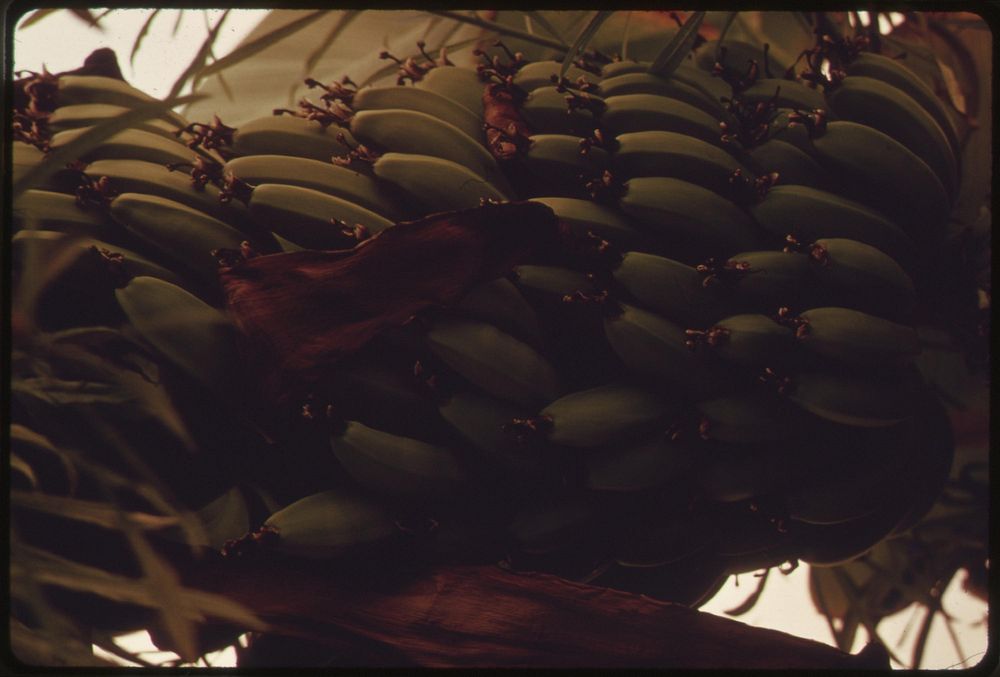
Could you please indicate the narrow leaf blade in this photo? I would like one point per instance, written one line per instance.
(260, 44)
(671, 56)
(142, 34)
(583, 39)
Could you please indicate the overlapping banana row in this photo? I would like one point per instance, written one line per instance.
(721, 381)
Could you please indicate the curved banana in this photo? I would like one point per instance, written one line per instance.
(853, 400)
(551, 281)
(688, 215)
(289, 135)
(894, 112)
(858, 338)
(130, 144)
(306, 217)
(857, 275)
(892, 72)
(435, 183)
(330, 524)
(341, 182)
(770, 279)
(679, 156)
(603, 415)
(494, 361)
(784, 93)
(547, 111)
(555, 165)
(810, 214)
(671, 288)
(480, 420)
(396, 466)
(186, 331)
(421, 101)
(461, 85)
(78, 89)
(404, 131)
(647, 112)
(184, 235)
(502, 305)
(537, 74)
(549, 525)
(46, 210)
(651, 346)
(89, 114)
(647, 83)
(750, 340)
(878, 171)
(586, 216)
(748, 418)
(793, 165)
(651, 463)
(137, 176)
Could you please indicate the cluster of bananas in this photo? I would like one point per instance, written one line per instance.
(719, 380)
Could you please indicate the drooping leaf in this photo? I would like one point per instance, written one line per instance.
(324, 46)
(540, 18)
(147, 24)
(583, 39)
(87, 17)
(36, 16)
(625, 32)
(198, 62)
(36, 647)
(752, 600)
(95, 136)
(177, 22)
(259, 44)
(499, 28)
(93, 512)
(667, 61)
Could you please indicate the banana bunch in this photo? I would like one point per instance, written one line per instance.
(716, 374)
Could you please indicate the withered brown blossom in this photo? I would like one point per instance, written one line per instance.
(303, 311)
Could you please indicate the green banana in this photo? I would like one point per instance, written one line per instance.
(400, 467)
(480, 420)
(24, 157)
(494, 361)
(648, 112)
(183, 235)
(878, 171)
(670, 288)
(289, 135)
(652, 347)
(679, 156)
(330, 524)
(130, 144)
(58, 211)
(551, 281)
(341, 182)
(855, 337)
(738, 54)
(604, 415)
(556, 165)
(748, 418)
(751, 339)
(305, 216)
(188, 332)
(405, 131)
(89, 114)
(647, 83)
(80, 89)
(537, 74)
(461, 85)
(136, 176)
(793, 165)
(624, 67)
(547, 111)
(894, 112)
(422, 101)
(892, 72)
(586, 216)
(501, 304)
(731, 474)
(688, 215)
(770, 280)
(853, 400)
(637, 467)
(784, 93)
(436, 183)
(47, 243)
(810, 214)
(857, 275)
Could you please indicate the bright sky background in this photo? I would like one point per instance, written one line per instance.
(61, 42)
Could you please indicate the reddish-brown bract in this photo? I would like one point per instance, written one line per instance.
(303, 311)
